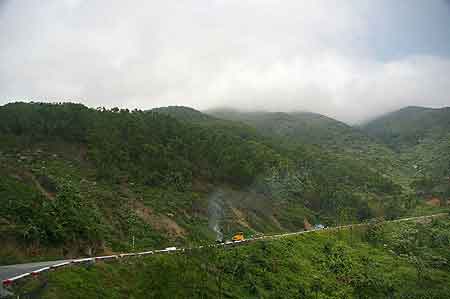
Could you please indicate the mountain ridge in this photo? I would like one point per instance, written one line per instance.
(112, 176)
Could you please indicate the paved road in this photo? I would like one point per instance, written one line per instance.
(10, 271)
(14, 270)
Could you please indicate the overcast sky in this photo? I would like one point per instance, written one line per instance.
(350, 60)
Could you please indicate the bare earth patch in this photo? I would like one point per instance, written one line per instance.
(240, 217)
(434, 201)
(157, 221)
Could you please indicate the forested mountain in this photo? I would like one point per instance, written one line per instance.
(75, 180)
(188, 114)
(301, 127)
(329, 134)
(421, 138)
(410, 146)
(410, 126)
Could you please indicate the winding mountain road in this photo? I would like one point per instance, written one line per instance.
(11, 273)
(19, 269)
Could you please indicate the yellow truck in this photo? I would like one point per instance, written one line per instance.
(238, 237)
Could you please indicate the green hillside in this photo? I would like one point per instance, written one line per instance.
(302, 127)
(79, 181)
(410, 126)
(329, 134)
(410, 146)
(421, 138)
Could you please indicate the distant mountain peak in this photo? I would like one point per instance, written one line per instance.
(183, 113)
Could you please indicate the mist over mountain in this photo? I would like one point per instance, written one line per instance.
(352, 61)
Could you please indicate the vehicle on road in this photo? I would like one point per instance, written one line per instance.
(319, 226)
(238, 237)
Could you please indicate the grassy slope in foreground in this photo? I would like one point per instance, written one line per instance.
(394, 260)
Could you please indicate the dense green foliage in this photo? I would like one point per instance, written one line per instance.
(329, 134)
(410, 146)
(396, 260)
(421, 138)
(68, 217)
(303, 127)
(410, 126)
(83, 180)
(78, 181)
(121, 142)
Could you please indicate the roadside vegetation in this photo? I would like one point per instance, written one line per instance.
(381, 260)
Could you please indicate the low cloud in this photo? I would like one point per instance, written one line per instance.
(351, 60)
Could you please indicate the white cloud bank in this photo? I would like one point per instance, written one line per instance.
(351, 60)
